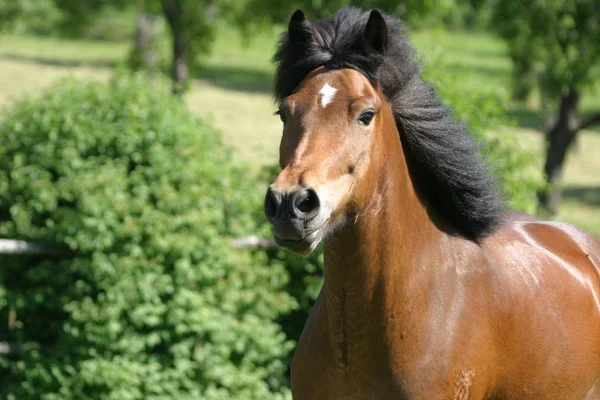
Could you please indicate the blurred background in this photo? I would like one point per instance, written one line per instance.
(137, 139)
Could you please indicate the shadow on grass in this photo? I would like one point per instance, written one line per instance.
(487, 72)
(54, 62)
(589, 195)
(237, 78)
(525, 117)
(234, 78)
(530, 118)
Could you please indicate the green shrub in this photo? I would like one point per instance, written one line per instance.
(154, 303)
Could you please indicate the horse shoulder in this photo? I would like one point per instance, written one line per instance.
(561, 245)
(547, 306)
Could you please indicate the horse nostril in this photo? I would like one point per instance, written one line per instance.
(272, 203)
(306, 202)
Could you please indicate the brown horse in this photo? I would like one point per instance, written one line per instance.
(432, 290)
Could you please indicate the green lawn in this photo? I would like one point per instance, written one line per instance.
(232, 88)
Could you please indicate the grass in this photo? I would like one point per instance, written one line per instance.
(581, 189)
(29, 64)
(232, 88)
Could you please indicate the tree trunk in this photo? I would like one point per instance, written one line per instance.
(145, 56)
(547, 105)
(559, 138)
(174, 14)
(180, 72)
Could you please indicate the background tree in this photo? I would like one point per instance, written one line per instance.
(145, 53)
(560, 40)
(76, 15)
(417, 12)
(191, 23)
(35, 16)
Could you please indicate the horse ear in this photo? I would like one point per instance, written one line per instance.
(299, 28)
(375, 36)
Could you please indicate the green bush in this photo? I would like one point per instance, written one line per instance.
(154, 303)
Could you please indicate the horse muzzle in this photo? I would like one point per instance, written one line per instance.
(297, 218)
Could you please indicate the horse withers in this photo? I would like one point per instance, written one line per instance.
(432, 290)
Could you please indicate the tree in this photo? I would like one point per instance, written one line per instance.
(145, 54)
(562, 43)
(192, 29)
(34, 16)
(191, 25)
(76, 15)
(409, 10)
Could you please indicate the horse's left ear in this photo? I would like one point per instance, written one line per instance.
(299, 28)
(375, 36)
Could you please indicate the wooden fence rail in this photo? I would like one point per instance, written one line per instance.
(9, 348)
(21, 247)
(8, 246)
(254, 242)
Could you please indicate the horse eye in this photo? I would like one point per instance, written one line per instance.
(281, 115)
(366, 118)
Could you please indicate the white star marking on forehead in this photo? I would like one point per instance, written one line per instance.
(327, 95)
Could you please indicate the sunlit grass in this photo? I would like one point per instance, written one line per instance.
(55, 50)
(581, 188)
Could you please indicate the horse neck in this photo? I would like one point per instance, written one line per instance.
(369, 262)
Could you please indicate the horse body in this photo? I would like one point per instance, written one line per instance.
(417, 303)
(480, 327)
(548, 330)
(403, 317)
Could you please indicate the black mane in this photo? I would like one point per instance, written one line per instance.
(449, 175)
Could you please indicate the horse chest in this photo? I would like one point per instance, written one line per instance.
(332, 363)
(335, 361)
(317, 379)
(314, 376)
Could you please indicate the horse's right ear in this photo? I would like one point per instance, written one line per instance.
(375, 36)
(299, 28)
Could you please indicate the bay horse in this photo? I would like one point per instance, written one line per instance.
(432, 289)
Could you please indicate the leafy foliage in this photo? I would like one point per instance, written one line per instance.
(557, 42)
(64, 17)
(154, 303)
(35, 16)
(559, 39)
(418, 13)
